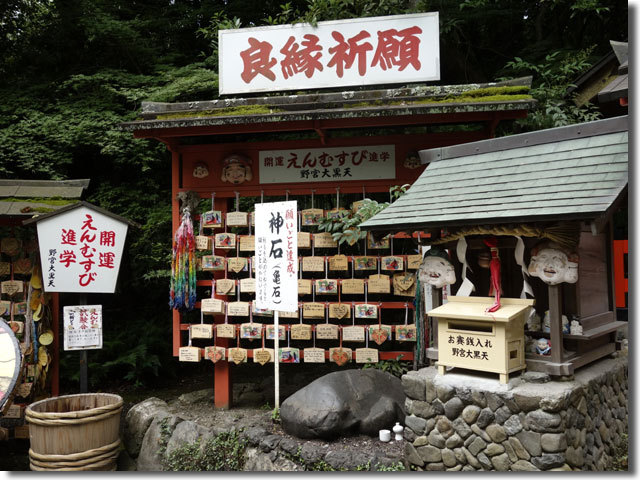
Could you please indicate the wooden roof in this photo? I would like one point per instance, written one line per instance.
(574, 172)
(26, 197)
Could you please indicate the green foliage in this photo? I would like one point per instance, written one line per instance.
(394, 467)
(223, 452)
(620, 454)
(396, 367)
(275, 415)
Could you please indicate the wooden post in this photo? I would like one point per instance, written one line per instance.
(55, 368)
(436, 301)
(276, 363)
(555, 316)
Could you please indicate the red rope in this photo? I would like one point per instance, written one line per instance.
(494, 267)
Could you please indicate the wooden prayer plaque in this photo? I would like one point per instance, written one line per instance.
(5, 307)
(212, 219)
(212, 263)
(313, 355)
(262, 355)
(288, 314)
(326, 331)
(392, 263)
(312, 216)
(237, 355)
(226, 330)
(355, 206)
(5, 269)
(365, 263)
(238, 309)
(367, 311)
(413, 262)
(248, 285)
(404, 285)
(339, 263)
(261, 312)
(247, 243)
(353, 286)
(304, 286)
(366, 355)
(406, 333)
(326, 287)
(324, 240)
(211, 306)
(380, 333)
(300, 332)
(215, 354)
(11, 287)
(353, 334)
(304, 240)
(339, 310)
(189, 354)
(22, 266)
(289, 355)
(337, 213)
(271, 332)
(237, 219)
(340, 355)
(225, 286)
(202, 330)
(313, 264)
(313, 310)
(203, 243)
(225, 241)
(250, 331)
(379, 284)
(237, 264)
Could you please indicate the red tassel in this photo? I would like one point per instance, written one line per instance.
(494, 267)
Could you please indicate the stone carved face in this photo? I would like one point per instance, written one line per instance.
(236, 170)
(200, 170)
(437, 271)
(553, 265)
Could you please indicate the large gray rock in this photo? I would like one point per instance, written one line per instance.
(344, 403)
(137, 422)
(154, 442)
(185, 433)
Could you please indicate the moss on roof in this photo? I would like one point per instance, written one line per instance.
(54, 201)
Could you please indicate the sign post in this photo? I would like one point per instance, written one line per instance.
(277, 267)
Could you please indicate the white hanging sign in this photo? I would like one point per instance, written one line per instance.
(82, 327)
(277, 256)
(81, 251)
(337, 53)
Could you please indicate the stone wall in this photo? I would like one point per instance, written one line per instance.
(470, 422)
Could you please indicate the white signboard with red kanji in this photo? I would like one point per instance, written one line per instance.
(82, 327)
(327, 164)
(340, 53)
(277, 256)
(80, 251)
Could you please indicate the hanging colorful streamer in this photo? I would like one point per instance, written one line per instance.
(183, 266)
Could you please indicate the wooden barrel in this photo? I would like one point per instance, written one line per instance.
(75, 432)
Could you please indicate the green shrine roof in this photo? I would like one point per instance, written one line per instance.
(573, 172)
(24, 198)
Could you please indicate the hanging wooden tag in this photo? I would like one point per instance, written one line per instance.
(304, 286)
(202, 330)
(212, 263)
(326, 331)
(353, 333)
(289, 355)
(324, 240)
(262, 355)
(406, 333)
(313, 310)
(237, 264)
(353, 286)
(212, 219)
(313, 355)
(18, 328)
(252, 219)
(365, 263)
(366, 355)
(337, 213)
(288, 314)
(300, 332)
(211, 306)
(248, 285)
(215, 354)
(339, 310)
(261, 312)
(225, 286)
(11, 287)
(203, 243)
(392, 263)
(225, 241)
(355, 206)
(238, 309)
(5, 269)
(247, 243)
(237, 219)
(312, 216)
(189, 354)
(237, 355)
(313, 264)
(404, 284)
(14, 411)
(339, 263)
(327, 287)
(304, 240)
(383, 243)
(366, 311)
(5, 307)
(340, 355)
(10, 246)
(226, 330)
(413, 262)
(379, 284)
(22, 266)
(271, 332)
(379, 333)
(251, 331)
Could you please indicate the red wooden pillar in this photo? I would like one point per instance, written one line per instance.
(175, 223)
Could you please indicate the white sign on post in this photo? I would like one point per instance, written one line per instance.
(277, 256)
(82, 327)
(362, 51)
(80, 251)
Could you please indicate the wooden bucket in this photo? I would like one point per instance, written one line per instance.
(75, 432)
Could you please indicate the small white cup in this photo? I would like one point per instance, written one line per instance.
(385, 435)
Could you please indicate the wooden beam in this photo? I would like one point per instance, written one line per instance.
(555, 315)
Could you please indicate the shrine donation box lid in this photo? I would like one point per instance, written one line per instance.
(474, 308)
